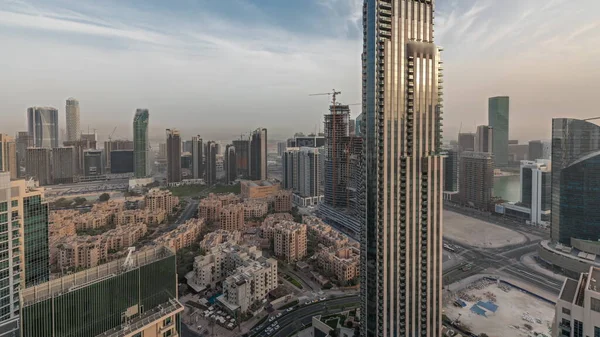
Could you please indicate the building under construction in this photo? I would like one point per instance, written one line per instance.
(343, 151)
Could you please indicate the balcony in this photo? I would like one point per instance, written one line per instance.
(148, 318)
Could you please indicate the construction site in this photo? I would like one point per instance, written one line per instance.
(343, 162)
(498, 309)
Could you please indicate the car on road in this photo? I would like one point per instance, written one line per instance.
(278, 315)
(322, 299)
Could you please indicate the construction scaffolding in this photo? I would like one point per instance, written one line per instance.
(341, 153)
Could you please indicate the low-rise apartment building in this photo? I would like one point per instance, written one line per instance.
(223, 261)
(325, 234)
(183, 236)
(249, 285)
(254, 209)
(157, 199)
(218, 237)
(289, 239)
(282, 201)
(232, 217)
(343, 263)
(151, 218)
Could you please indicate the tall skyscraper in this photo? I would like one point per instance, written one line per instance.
(242, 155)
(211, 163)
(451, 171)
(173, 156)
(93, 163)
(466, 142)
(11, 248)
(258, 154)
(484, 139)
(498, 119)
(141, 145)
(230, 168)
(8, 156)
(536, 150)
(302, 173)
(536, 189)
(197, 158)
(575, 181)
(42, 126)
(476, 180)
(39, 165)
(63, 165)
(401, 240)
(115, 145)
(73, 126)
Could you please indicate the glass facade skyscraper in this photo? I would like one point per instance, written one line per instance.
(35, 225)
(401, 239)
(451, 171)
(140, 143)
(498, 120)
(575, 180)
(42, 126)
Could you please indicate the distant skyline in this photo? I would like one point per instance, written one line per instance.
(220, 68)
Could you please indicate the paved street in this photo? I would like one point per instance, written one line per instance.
(296, 319)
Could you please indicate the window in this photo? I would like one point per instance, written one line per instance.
(566, 311)
(578, 331)
(14, 203)
(167, 321)
(168, 333)
(596, 331)
(3, 206)
(595, 304)
(139, 334)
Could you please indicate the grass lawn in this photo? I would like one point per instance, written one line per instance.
(185, 191)
(236, 189)
(293, 281)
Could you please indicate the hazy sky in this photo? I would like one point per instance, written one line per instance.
(222, 67)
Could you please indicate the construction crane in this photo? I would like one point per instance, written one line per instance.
(333, 94)
(111, 134)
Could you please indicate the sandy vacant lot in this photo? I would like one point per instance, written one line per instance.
(508, 320)
(477, 233)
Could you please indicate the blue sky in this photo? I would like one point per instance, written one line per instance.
(220, 68)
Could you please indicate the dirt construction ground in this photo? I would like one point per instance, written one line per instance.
(478, 233)
(515, 310)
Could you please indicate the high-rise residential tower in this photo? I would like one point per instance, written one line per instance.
(140, 143)
(8, 156)
(42, 126)
(39, 165)
(258, 154)
(242, 155)
(476, 179)
(451, 171)
(484, 139)
(197, 158)
(536, 189)
(173, 156)
(401, 240)
(72, 114)
(211, 163)
(536, 150)
(230, 168)
(498, 109)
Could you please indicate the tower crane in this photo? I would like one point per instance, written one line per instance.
(111, 134)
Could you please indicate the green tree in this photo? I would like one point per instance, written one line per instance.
(104, 197)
